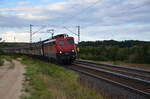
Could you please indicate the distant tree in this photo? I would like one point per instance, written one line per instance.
(122, 44)
(135, 54)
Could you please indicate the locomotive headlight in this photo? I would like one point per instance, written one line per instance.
(60, 52)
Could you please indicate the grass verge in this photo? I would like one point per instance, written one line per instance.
(1, 61)
(49, 81)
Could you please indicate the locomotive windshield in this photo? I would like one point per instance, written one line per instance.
(61, 42)
(70, 41)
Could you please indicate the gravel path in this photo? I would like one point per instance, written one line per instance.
(11, 80)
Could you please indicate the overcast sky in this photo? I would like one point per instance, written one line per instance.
(99, 19)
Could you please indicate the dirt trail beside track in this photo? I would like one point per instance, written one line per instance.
(11, 80)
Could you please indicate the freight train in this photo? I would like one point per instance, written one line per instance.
(61, 48)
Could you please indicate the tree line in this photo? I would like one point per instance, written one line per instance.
(126, 51)
(122, 44)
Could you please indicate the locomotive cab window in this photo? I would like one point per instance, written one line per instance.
(70, 41)
(61, 42)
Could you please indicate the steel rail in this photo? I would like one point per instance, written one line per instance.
(92, 66)
(116, 74)
(117, 66)
(131, 73)
(147, 95)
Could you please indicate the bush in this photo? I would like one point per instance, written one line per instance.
(136, 54)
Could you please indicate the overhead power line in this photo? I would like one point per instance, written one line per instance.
(77, 34)
(39, 29)
(70, 30)
(32, 33)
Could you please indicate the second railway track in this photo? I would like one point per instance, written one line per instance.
(135, 79)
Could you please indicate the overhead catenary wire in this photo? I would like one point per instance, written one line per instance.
(39, 29)
(74, 16)
(70, 30)
(32, 33)
(81, 12)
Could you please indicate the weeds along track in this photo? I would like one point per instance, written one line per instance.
(137, 80)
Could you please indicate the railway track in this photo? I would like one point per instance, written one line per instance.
(137, 80)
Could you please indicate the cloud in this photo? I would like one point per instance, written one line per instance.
(90, 14)
(10, 36)
(106, 12)
(125, 32)
(23, 3)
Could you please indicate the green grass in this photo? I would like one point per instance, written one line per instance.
(49, 81)
(1, 61)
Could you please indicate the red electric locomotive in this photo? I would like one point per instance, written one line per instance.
(60, 47)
